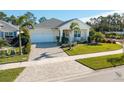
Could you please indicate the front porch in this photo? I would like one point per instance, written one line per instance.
(73, 36)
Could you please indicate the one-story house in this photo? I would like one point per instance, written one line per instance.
(48, 30)
(7, 30)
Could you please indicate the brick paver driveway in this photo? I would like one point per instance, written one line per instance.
(55, 71)
(45, 50)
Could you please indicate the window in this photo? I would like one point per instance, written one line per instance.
(8, 33)
(77, 34)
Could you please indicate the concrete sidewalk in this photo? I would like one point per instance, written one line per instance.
(57, 59)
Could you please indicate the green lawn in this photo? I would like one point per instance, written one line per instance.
(17, 58)
(85, 49)
(97, 63)
(10, 75)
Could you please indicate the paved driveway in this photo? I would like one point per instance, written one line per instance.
(45, 50)
(57, 71)
(51, 71)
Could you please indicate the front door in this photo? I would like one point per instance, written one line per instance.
(66, 33)
(77, 35)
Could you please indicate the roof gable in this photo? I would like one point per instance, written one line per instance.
(74, 20)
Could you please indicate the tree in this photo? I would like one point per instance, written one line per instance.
(12, 19)
(99, 36)
(73, 27)
(30, 17)
(91, 35)
(42, 19)
(7, 19)
(23, 27)
(2, 16)
(114, 22)
(95, 36)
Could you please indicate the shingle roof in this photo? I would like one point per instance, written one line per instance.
(55, 23)
(51, 23)
(72, 20)
(7, 27)
(66, 22)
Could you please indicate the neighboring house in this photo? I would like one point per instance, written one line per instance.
(50, 29)
(7, 30)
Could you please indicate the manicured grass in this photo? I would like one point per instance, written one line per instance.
(10, 75)
(85, 49)
(12, 59)
(102, 62)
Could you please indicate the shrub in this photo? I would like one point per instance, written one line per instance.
(89, 39)
(82, 42)
(65, 40)
(108, 41)
(64, 45)
(57, 38)
(3, 43)
(12, 53)
(114, 36)
(97, 39)
(2, 53)
(68, 45)
(27, 48)
(74, 44)
(103, 41)
(97, 36)
(118, 37)
(6, 53)
(114, 42)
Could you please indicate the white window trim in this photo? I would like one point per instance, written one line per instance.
(77, 33)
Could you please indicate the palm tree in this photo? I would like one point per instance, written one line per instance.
(73, 27)
(24, 26)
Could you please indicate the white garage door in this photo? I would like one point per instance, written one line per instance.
(44, 35)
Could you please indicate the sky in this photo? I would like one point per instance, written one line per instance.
(64, 15)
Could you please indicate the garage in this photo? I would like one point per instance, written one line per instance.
(43, 35)
(46, 31)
